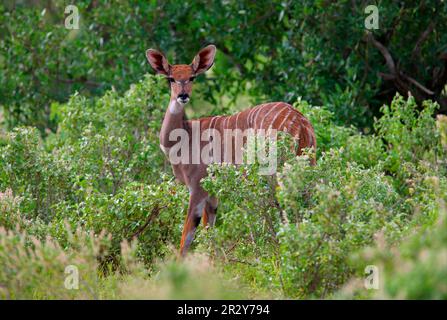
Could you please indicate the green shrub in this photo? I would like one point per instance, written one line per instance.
(314, 49)
(41, 178)
(410, 135)
(289, 235)
(415, 267)
(151, 213)
(194, 278)
(114, 140)
(333, 209)
(103, 170)
(35, 269)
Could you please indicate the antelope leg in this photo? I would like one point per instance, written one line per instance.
(197, 202)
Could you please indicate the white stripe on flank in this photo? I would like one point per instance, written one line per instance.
(225, 118)
(257, 113)
(217, 120)
(229, 120)
(277, 115)
(263, 119)
(210, 127)
(237, 117)
(291, 121)
(211, 122)
(284, 120)
(248, 117)
(225, 122)
(255, 109)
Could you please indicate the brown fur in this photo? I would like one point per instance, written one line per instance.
(276, 115)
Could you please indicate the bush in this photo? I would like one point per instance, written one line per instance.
(413, 268)
(333, 209)
(151, 213)
(410, 135)
(195, 278)
(288, 235)
(41, 178)
(95, 171)
(35, 269)
(113, 140)
(317, 50)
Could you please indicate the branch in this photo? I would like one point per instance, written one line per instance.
(154, 214)
(386, 76)
(422, 38)
(398, 76)
(417, 84)
(385, 53)
(389, 34)
(440, 78)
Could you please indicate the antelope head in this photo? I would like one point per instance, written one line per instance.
(181, 76)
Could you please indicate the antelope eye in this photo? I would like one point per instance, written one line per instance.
(192, 78)
(171, 79)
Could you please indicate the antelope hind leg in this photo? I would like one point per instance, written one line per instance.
(210, 212)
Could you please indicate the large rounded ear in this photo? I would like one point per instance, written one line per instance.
(158, 61)
(204, 59)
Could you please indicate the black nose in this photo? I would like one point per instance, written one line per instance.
(183, 96)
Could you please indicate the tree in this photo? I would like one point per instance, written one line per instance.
(272, 50)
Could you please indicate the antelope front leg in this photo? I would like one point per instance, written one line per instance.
(197, 201)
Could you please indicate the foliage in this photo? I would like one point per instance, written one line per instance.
(42, 269)
(196, 278)
(35, 269)
(92, 172)
(277, 50)
(295, 234)
(113, 140)
(83, 181)
(412, 269)
(333, 209)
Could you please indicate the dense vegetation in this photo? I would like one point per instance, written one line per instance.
(318, 50)
(83, 182)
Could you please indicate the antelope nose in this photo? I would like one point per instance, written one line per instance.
(183, 97)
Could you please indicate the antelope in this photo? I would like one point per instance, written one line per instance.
(274, 115)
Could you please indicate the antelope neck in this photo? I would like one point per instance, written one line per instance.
(174, 119)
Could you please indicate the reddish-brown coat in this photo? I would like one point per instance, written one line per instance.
(275, 115)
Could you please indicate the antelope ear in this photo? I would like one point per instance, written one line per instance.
(158, 61)
(204, 59)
